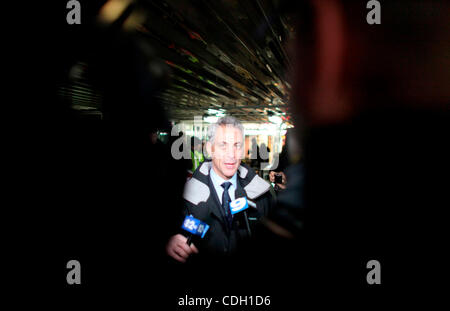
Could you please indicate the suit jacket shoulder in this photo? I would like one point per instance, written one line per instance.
(197, 188)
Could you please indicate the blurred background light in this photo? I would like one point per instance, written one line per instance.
(275, 119)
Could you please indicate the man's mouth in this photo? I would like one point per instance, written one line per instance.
(230, 165)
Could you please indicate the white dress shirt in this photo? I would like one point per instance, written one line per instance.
(218, 181)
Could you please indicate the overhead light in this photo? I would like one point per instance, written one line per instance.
(211, 119)
(216, 112)
(275, 119)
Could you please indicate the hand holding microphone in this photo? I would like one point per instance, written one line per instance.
(180, 247)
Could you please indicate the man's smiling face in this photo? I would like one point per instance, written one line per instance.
(226, 150)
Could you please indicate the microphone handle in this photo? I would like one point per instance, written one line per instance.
(247, 224)
(189, 240)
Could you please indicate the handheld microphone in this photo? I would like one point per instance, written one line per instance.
(240, 205)
(195, 227)
(251, 203)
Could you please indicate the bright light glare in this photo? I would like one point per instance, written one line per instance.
(211, 119)
(275, 119)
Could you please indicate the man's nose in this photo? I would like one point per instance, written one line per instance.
(230, 154)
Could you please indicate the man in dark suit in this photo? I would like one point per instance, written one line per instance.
(213, 186)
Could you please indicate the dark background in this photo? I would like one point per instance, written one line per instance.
(87, 190)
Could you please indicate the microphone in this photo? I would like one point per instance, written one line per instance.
(195, 227)
(251, 203)
(241, 193)
(240, 205)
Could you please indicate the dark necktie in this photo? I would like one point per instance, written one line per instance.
(226, 202)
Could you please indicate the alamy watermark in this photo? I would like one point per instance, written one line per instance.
(73, 17)
(374, 275)
(74, 274)
(374, 15)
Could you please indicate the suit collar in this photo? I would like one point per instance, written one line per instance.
(218, 181)
(197, 189)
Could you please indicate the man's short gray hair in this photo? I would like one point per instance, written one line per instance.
(224, 121)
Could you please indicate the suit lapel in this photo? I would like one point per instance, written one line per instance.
(239, 192)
